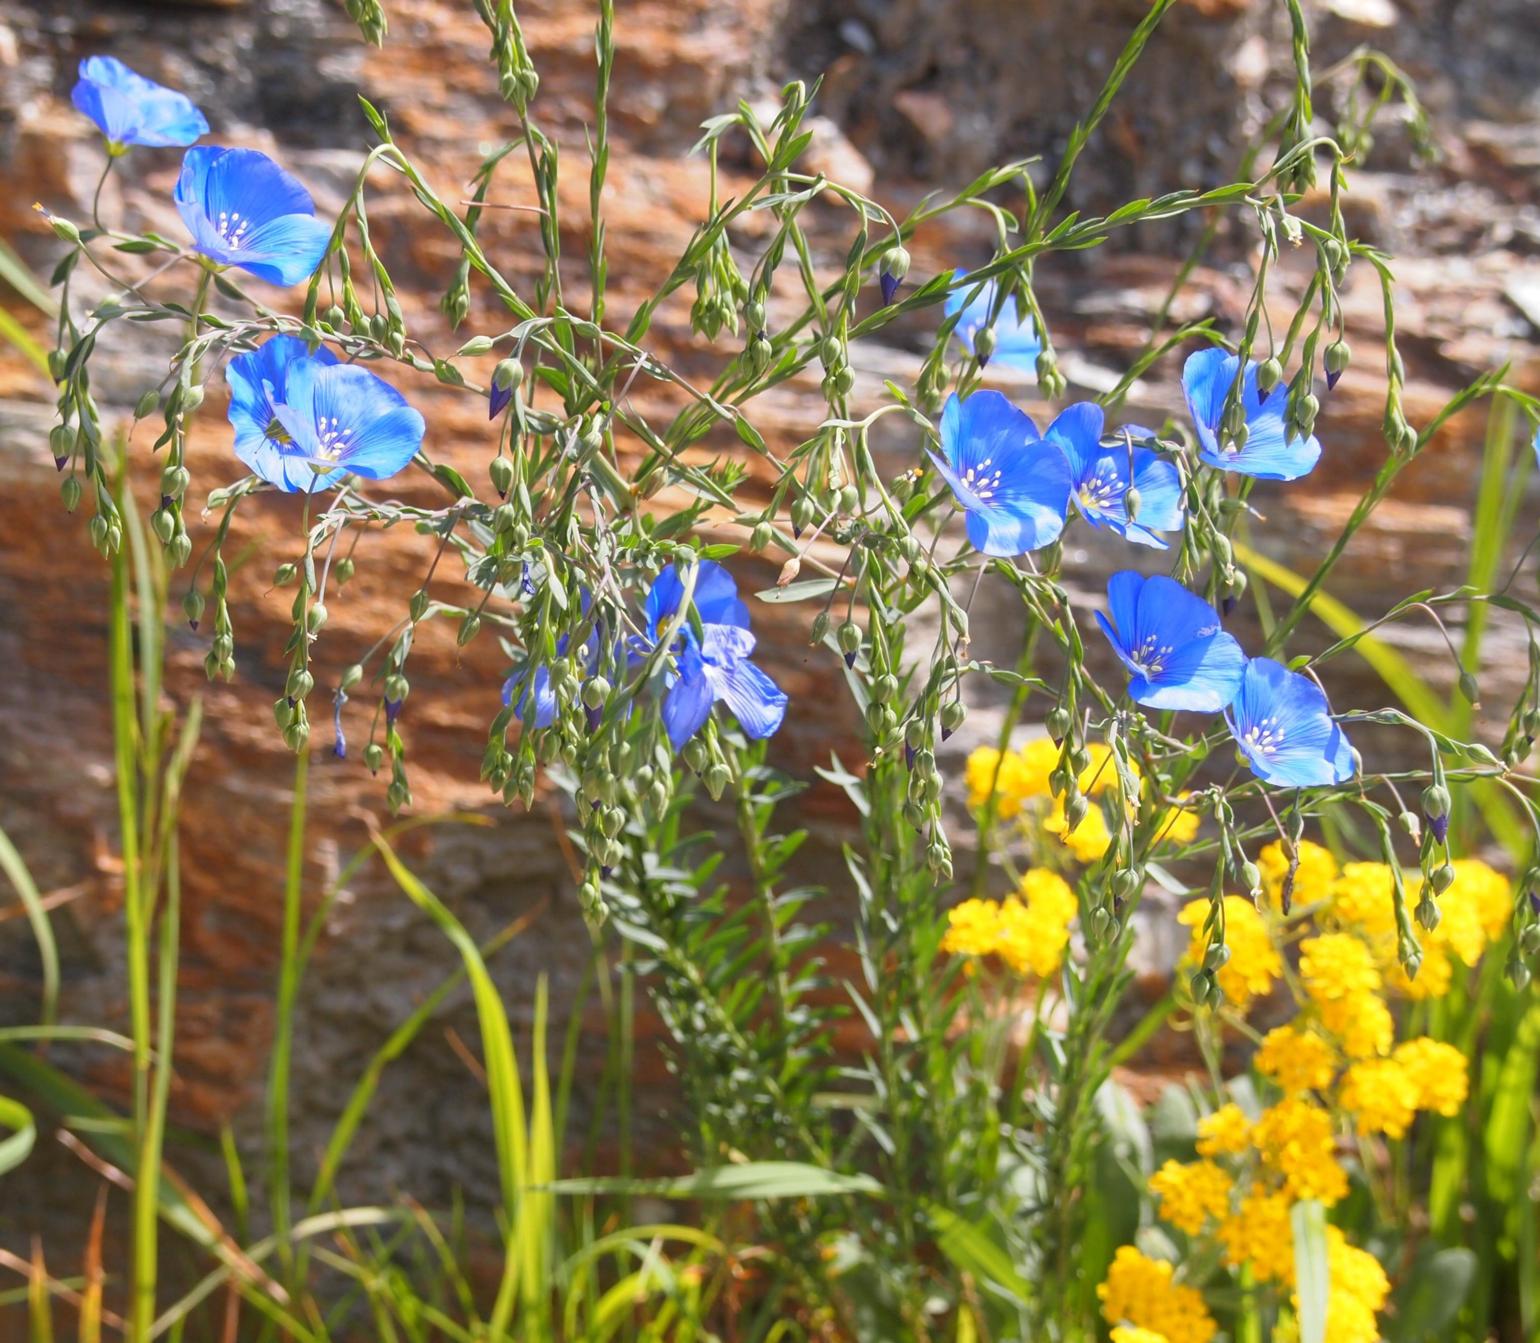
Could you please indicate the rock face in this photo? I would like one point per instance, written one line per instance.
(920, 91)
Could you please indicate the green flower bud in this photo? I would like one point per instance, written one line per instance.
(501, 472)
(397, 687)
(984, 344)
(417, 607)
(315, 617)
(895, 261)
(1337, 357)
(283, 712)
(831, 353)
(1216, 956)
(374, 757)
(173, 481)
(284, 574)
(1058, 722)
(952, 714)
(820, 628)
(848, 636)
(1131, 501)
(717, 778)
(63, 229)
(343, 570)
(300, 684)
(761, 537)
(69, 491)
(1441, 878)
(760, 352)
(147, 404)
(163, 524)
(595, 691)
(180, 550)
(192, 607)
(1269, 375)
(1470, 690)
(1435, 802)
(352, 676)
(508, 375)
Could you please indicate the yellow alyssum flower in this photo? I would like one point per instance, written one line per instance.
(1488, 890)
(1178, 826)
(973, 928)
(1434, 975)
(1101, 775)
(1359, 1288)
(1297, 1059)
(1312, 879)
(1125, 1333)
(1360, 1023)
(1363, 900)
(1294, 1138)
(1437, 1072)
(1141, 1292)
(1380, 1096)
(1261, 1234)
(1337, 966)
(1034, 929)
(1089, 840)
(1226, 1132)
(1191, 1193)
(988, 771)
(1254, 963)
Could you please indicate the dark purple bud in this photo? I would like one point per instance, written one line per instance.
(1227, 604)
(392, 710)
(1262, 396)
(605, 872)
(946, 732)
(166, 501)
(889, 285)
(850, 659)
(498, 399)
(1439, 825)
(60, 463)
(1332, 379)
(908, 756)
(192, 625)
(595, 717)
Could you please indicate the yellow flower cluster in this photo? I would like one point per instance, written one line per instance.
(1018, 779)
(1142, 1292)
(1335, 1064)
(1254, 963)
(1312, 878)
(1472, 913)
(1127, 1333)
(1192, 1193)
(1029, 932)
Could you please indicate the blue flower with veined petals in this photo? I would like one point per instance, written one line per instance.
(338, 418)
(537, 703)
(1012, 485)
(1017, 343)
(132, 110)
(244, 210)
(1170, 641)
(1284, 728)
(1207, 377)
(713, 666)
(1100, 476)
(258, 379)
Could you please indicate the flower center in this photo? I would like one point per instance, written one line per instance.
(1150, 657)
(1101, 490)
(276, 433)
(1265, 735)
(332, 438)
(231, 227)
(981, 480)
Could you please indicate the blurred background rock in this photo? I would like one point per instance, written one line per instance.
(917, 95)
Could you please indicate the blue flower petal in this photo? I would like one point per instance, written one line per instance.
(756, 701)
(688, 702)
(1170, 640)
(1078, 431)
(244, 210)
(1013, 485)
(132, 110)
(1016, 340)
(249, 375)
(538, 689)
(1283, 726)
(1207, 377)
(343, 415)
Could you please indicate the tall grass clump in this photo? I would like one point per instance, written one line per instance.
(971, 1167)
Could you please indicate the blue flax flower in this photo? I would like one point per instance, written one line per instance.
(1284, 727)
(537, 703)
(1171, 643)
(713, 666)
(1100, 476)
(258, 380)
(244, 210)
(1012, 485)
(1269, 452)
(1016, 340)
(334, 418)
(132, 110)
